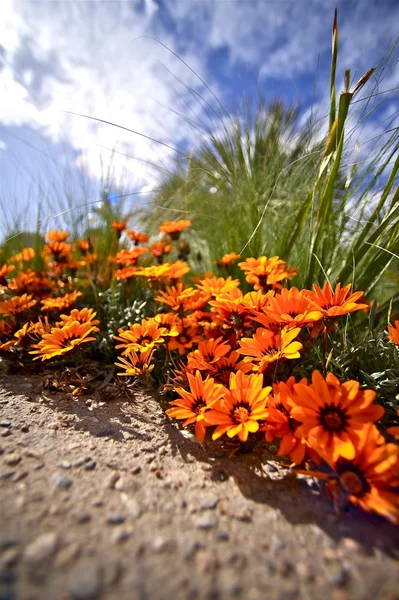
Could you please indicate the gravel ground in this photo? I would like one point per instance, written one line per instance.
(112, 500)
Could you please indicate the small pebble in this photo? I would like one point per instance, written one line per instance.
(206, 520)
(65, 464)
(135, 470)
(5, 424)
(90, 465)
(60, 481)
(115, 519)
(42, 548)
(12, 459)
(84, 582)
(120, 535)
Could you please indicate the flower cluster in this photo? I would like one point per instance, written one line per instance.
(234, 350)
(232, 357)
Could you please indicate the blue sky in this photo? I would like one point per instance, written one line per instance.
(96, 58)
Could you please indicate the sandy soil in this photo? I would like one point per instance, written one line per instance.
(110, 499)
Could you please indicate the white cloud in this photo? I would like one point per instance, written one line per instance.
(86, 58)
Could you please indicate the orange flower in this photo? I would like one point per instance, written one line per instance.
(176, 270)
(63, 340)
(282, 426)
(266, 347)
(333, 415)
(369, 479)
(292, 308)
(59, 251)
(337, 303)
(4, 271)
(57, 236)
(168, 324)
(214, 286)
(174, 228)
(186, 338)
(228, 259)
(176, 296)
(25, 255)
(241, 408)
(207, 354)
(129, 258)
(139, 337)
(222, 369)
(126, 273)
(83, 246)
(85, 315)
(119, 226)
(193, 404)
(30, 282)
(153, 273)
(136, 364)
(394, 332)
(266, 273)
(17, 304)
(231, 307)
(137, 237)
(159, 249)
(60, 303)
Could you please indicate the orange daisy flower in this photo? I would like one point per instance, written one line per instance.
(186, 338)
(119, 226)
(168, 324)
(175, 271)
(137, 237)
(125, 273)
(207, 354)
(369, 479)
(57, 236)
(83, 246)
(337, 303)
(292, 308)
(241, 408)
(226, 365)
(281, 425)
(231, 308)
(159, 249)
(176, 296)
(60, 303)
(16, 305)
(62, 340)
(25, 255)
(4, 271)
(85, 315)
(139, 337)
(394, 332)
(214, 286)
(266, 347)
(193, 405)
(228, 259)
(30, 282)
(257, 301)
(129, 258)
(174, 228)
(333, 415)
(136, 364)
(60, 251)
(265, 273)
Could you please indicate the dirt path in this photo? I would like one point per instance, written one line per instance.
(112, 500)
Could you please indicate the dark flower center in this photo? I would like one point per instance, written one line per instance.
(352, 479)
(198, 404)
(333, 418)
(241, 412)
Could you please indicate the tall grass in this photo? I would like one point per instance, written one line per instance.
(264, 182)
